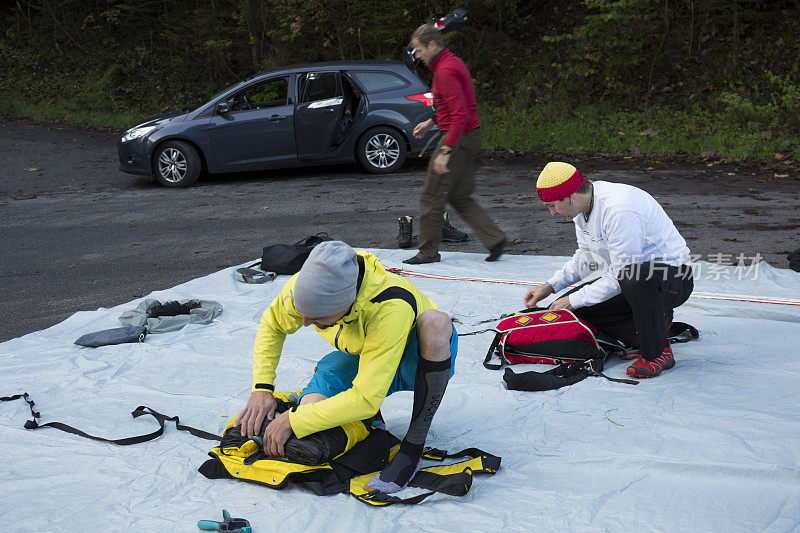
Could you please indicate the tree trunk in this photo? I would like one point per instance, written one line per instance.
(251, 32)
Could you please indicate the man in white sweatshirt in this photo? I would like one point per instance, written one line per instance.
(648, 275)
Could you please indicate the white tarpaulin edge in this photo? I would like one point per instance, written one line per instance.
(711, 445)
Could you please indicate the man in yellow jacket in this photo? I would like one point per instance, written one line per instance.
(388, 337)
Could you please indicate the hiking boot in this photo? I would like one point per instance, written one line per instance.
(404, 237)
(644, 368)
(419, 260)
(317, 448)
(451, 234)
(496, 251)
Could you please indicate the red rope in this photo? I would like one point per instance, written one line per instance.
(706, 295)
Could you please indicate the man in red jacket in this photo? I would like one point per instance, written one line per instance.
(451, 170)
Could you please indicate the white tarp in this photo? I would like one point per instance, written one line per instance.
(711, 445)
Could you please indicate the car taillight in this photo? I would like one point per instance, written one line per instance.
(425, 98)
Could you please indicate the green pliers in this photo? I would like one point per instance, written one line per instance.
(228, 524)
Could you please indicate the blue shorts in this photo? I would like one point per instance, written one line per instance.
(336, 371)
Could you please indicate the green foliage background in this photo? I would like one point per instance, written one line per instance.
(649, 76)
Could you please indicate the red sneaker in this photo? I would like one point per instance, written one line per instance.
(630, 353)
(642, 368)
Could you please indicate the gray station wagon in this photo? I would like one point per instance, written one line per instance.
(312, 114)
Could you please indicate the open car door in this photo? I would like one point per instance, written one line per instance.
(318, 113)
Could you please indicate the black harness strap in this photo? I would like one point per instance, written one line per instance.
(397, 293)
(361, 270)
(435, 454)
(455, 484)
(139, 411)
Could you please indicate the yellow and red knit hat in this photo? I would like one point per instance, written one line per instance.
(557, 181)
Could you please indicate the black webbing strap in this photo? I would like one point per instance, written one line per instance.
(616, 380)
(560, 376)
(595, 367)
(497, 319)
(475, 332)
(456, 484)
(139, 411)
(490, 353)
(491, 462)
(682, 332)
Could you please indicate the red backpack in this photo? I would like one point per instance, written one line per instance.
(549, 337)
(558, 338)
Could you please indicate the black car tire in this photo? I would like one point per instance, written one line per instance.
(381, 150)
(176, 164)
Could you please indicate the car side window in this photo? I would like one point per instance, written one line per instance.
(270, 93)
(374, 82)
(316, 86)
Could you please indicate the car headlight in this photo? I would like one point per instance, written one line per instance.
(135, 133)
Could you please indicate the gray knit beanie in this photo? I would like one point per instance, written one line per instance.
(326, 284)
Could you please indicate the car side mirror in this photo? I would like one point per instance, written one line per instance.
(223, 108)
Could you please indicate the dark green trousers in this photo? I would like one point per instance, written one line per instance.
(455, 188)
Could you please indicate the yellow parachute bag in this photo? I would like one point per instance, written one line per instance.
(363, 452)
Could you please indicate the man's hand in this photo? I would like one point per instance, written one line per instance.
(277, 433)
(422, 128)
(561, 303)
(261, 404)
(537, 294)
(440, 164)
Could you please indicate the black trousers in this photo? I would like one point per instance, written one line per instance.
(640, 315)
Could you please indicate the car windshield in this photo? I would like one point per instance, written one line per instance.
(220, 93)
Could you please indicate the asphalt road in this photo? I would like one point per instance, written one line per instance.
(78, 234)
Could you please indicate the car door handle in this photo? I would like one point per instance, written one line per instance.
(276, 118)
(328, 111)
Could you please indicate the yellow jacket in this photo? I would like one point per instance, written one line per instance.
(376, 329)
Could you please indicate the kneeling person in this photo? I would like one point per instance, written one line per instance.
(388, 337)
(649, 273)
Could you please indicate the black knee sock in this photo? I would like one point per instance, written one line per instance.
(429, 386)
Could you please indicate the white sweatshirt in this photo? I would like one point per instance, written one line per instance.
(626, 226)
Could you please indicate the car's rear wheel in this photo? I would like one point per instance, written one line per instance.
(176, 164)
(381, 150)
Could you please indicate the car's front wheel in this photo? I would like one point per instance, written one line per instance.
(176, 164)
(381, 150)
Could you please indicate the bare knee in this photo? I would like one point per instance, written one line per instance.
(434, 329)
(312, 397)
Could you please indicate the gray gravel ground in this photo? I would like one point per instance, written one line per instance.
(78, 234)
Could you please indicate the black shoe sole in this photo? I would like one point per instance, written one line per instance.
(417, 261)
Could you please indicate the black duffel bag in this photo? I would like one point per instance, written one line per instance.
(289, 258)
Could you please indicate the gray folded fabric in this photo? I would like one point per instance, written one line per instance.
(107, 337)
(204, 314)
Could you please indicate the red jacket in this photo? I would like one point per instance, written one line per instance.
(454, 97)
